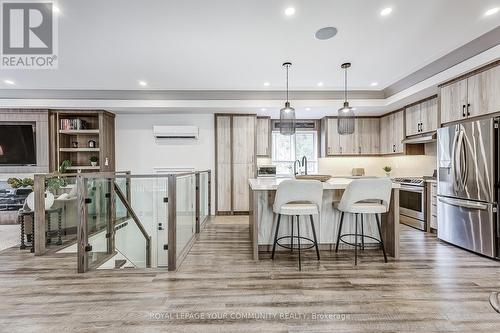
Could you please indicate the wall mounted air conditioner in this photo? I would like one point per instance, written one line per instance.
(175, 132)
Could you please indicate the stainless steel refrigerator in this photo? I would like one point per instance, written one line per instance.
(467, 185)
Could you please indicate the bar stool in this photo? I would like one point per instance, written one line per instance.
(295, 198)
(364, 196)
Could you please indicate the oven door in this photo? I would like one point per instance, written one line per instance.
(412, 202)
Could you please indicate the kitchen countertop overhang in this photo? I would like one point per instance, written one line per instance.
(271, 184)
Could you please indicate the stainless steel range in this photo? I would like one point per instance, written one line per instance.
(412, 205)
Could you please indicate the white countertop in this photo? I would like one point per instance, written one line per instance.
(271, 183)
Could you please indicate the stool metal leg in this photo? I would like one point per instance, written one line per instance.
(59, 227)
(298, 241)
(314, 235)
(362, 233)
(291, 239)
(356, 240)
(340, 230)
(276, 235)
(381, 240)
(21, 221)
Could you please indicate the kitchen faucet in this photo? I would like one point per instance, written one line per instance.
(304, 163)
(295, 167)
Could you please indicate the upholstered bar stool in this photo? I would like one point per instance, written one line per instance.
(363, 197)
(296, 198)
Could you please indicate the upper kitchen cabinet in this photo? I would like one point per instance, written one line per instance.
(364, 141)
(473, 95)
(392, 133)
(368, 130)
(264, 136)
(422, 117)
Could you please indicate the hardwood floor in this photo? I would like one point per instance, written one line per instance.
(434, 287)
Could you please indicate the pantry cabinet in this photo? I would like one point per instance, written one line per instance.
(472, 96)
(236, 142)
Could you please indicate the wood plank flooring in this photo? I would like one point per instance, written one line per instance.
(434, 287)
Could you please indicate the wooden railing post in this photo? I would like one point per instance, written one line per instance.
(82, 232)
(38, 236)
(110, 232)
(197, 203)
(172, 221)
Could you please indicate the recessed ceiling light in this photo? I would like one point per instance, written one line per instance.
(320, 84)
(143, 83)
(56, 9)
(266, 84)
(491, 11)
(290, 11)
(386, 11)
(325, 33)
(374, 84)
(263, 109)
(308, 109)
(8, 82)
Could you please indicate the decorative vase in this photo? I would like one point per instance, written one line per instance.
(388, 174)
(93, 164)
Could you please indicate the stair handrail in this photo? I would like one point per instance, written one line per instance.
(137, 221)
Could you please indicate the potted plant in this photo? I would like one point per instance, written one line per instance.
(93, 160)
(64, 166)
(387, 170)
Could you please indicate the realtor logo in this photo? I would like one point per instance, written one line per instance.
(29, 35)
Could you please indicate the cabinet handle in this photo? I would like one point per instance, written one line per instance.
(359, 150)
(341, 150)
(468, 109)
(393, 148)
(328, 150)
(463, 110)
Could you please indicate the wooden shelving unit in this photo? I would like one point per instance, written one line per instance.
(74, 145)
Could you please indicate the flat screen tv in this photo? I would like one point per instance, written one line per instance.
(17, 144)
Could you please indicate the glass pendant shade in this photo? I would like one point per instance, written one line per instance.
(346, 120)
(287, 120)
(287, 114)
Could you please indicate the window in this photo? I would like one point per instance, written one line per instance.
(289, 148)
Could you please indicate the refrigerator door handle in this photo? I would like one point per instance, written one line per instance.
(464, 204)
(456, 160)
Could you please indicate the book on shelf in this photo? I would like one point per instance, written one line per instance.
(73, 124)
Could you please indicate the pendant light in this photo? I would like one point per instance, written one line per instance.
(345, 120)
(287, 114)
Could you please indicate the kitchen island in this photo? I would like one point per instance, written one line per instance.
(263, 220)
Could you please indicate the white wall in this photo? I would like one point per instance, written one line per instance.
(138, 151)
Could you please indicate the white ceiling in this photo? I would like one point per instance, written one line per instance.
(239, 45)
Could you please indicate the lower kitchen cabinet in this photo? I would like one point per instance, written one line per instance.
(432, 207)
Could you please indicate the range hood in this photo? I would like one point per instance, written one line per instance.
(425, 138)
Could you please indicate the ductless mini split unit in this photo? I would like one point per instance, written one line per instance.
(175, 132)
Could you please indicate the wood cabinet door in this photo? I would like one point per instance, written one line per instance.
(241, 193)
(368, 130)
(398, 131)
(349, 142)
(484, 92)
(263, 136)
(385, 134)
(453, 101)
(223, 163)
(333, 140)
(429, 115)
(244, 141)
(413, 119)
